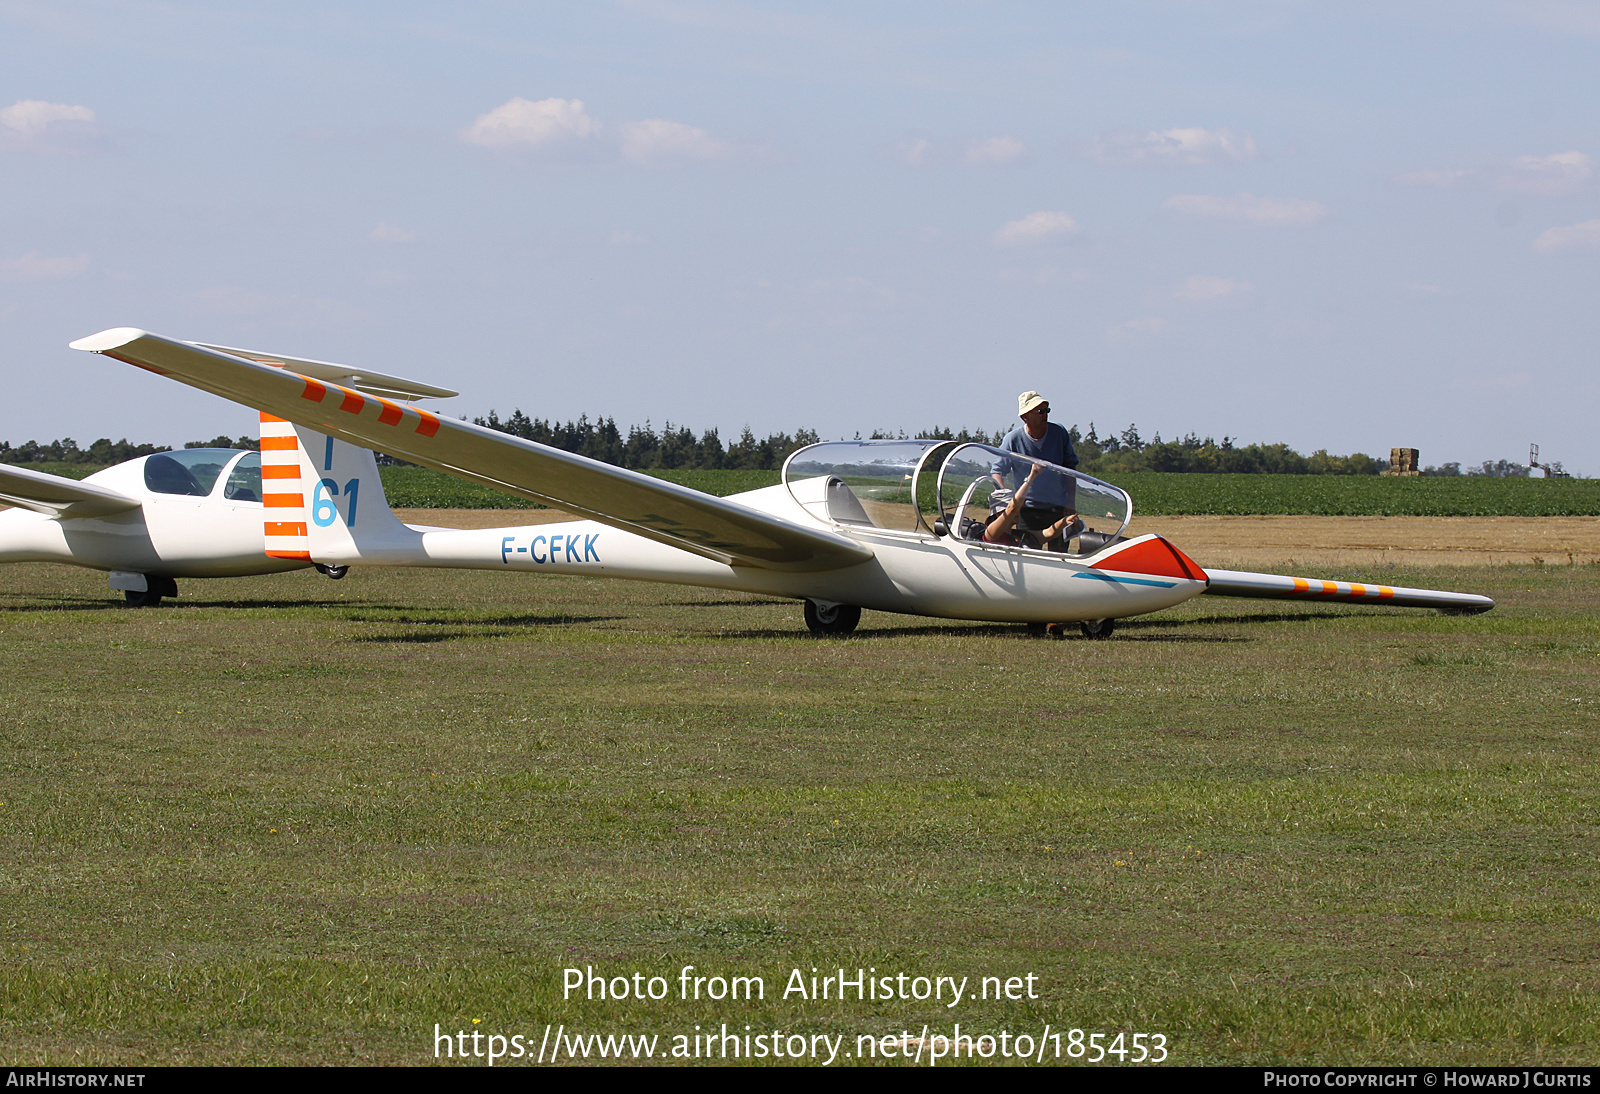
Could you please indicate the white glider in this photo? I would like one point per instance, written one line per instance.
(890, 526)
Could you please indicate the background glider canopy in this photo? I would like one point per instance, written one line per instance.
(711, 527)
(57, 497)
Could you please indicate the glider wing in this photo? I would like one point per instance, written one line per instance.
(1283, 587)
(711, 527)
(55, 496)
(373, 383)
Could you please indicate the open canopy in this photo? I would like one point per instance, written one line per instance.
(949, 488)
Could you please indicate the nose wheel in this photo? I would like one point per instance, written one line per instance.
(831, 619)
(1091, 628)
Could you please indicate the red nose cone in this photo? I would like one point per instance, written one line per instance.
(1154, 556)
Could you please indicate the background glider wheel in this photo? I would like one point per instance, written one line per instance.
(142, 600)
(834, 619)
(1038, 630)
(332, 572)
(1097, 628)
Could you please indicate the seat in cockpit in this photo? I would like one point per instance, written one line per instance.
(843, 505)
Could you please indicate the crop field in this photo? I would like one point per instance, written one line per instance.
(1154, 493)
(1159, 494)
(286, 820)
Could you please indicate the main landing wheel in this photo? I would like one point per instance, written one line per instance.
(155, 588)
(1097, 628)
(833, 619)
(332, 572)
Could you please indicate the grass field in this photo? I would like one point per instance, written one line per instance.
(289, 820)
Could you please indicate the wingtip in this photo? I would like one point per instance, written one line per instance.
(107, 339)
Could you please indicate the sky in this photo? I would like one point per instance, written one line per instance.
(1349, 226)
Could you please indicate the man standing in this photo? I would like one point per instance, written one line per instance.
(1052, 496)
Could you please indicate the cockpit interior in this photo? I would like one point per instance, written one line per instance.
(973, 492)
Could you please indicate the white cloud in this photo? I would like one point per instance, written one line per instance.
(31, 117)
(918, 152)
(1150, 324)
(35, 267)
(542, 123)
(1583, 235)
(1248, 209)
(1561, 173)
(1552, 175)
(564, 127)
(35, 124)
(994, 151)
(1036, 227)
(1180, 147)
(1210, 288)
(388, 233)
(989, 152)
(657, 141)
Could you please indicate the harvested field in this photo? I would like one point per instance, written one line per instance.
(1256, 542)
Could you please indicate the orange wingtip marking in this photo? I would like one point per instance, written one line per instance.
(280, 471)
(284, 501)
(353, 400)
(285, 527)
(1153, 556)
(304, 556)
(390, 414)
(314, 390)
(1384, 591)
(265, 417)
(428, 425)
(279, 444)
(1357, 590)
(1328, 588)
(1301, 585)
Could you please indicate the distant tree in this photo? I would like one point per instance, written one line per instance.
(224, 441)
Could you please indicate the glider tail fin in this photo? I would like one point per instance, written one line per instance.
(324, 501)
(286, 517)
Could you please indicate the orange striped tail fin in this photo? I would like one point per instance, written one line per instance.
(283, 491)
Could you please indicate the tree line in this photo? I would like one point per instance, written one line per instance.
(676, 447)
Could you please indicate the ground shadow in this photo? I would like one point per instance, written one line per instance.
(426, 637)
(1256, 617)
(729, 603)
(526, 620)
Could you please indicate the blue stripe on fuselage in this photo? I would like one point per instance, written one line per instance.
(1126, 580)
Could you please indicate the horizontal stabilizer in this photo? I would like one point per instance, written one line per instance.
(1282, 587)
(55, 496)
(714, 528)
(373, 383)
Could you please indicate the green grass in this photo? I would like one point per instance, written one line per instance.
(286, 820)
